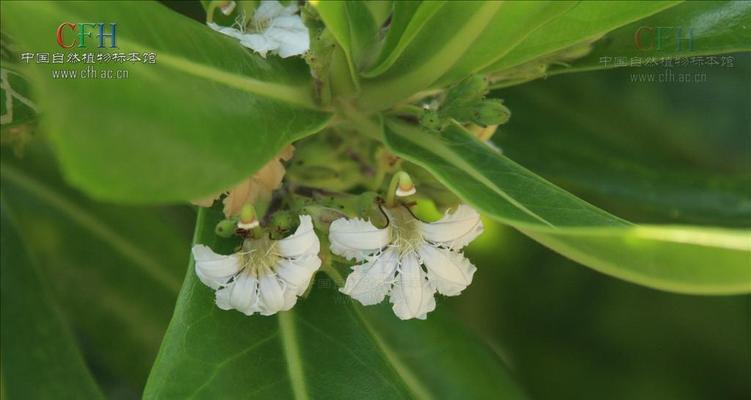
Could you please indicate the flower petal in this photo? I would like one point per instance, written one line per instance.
(449, 272)
(290, 298)
(231, 32)
(244, 293)
(296, 273)
(269, 9)
(214, 270)
(412, 296)
(259, 43)
(454, 230)
(222, 297)
(303, 242)
(290, 34)
(356, 238)
(271, 298)
(370, 282)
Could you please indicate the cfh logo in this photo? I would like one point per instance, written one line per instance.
(83, 31)
(658, 38)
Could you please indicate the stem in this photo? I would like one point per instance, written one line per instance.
(391, 193)
(210, 11)
(363, 123)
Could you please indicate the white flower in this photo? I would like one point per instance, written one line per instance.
(393, 258)
(274, 28)
(266, 276)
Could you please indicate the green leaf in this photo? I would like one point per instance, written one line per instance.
(353, 25)
(715, 27)
(646, 151)
(436, 45)
(439, 43)
(204, 116)
(513, 22)
(407, 19)
(326, 347)
(39, 356)
(672, 258)
(108, 254)
(586, 21)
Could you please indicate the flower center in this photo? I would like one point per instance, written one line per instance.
(405, 233)
(259, 257)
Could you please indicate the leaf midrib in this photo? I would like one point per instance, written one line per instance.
(291, 350)
(469, 169)
(297, 95)
(405, 373)
(143, 261)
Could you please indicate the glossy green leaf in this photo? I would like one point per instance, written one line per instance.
(325, 347)
(125, 264)
(513, 22)
(646, 151)
(39, 359)
(407, 20)
(714, 27)
(354, 26)
(442, 43)
(674, 258)
(205, 115)
(431, 50)
(587, 21)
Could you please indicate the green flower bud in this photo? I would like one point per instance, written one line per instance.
(225, 228)
(247, 219)
(431, 120)
(282, 221)
(473, 88)
(490, 112)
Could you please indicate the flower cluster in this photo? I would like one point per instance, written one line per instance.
(408, 260)
(273, 28)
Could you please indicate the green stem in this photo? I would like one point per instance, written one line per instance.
(362, 122)
(395, 180)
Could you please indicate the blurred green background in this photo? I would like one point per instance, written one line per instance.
(667, 153)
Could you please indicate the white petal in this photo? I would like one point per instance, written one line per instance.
(449, 272)
(271, 298)
(454, 230)
(222, 297)
(244, 293)
(296, 273)
(370, 282)
(290, 34)
(303, 242)
(214, 270)
(268, 10)
(356, 238)
(232, 32)
(412, 296)
(290, 298)
(259, 43)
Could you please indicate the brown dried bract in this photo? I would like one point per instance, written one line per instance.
(258, 186)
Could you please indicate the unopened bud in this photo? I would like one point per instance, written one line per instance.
(430, 119)
(405, 187)
(282, 221)
(225, 228)
(470, 89)
(490, 112)
(248, 218)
